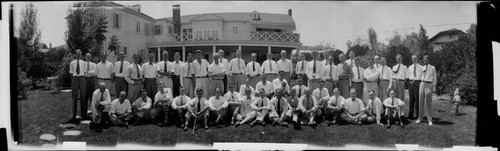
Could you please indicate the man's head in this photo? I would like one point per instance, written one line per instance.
(238, 53)
(302, 56)
(182, 90)
(392, 93)
(103, 57)
(221, 53)
(414, 59)
(198, 54)
(283, 54)
(88, 57)
(102, 87)
(161, 87)
(123, 95)
(231, 86)
(164, 55)
(299, 81)
(216, 58)
(248, 92)
(371, 63)
(321, 84)
(315, 55)
(144, 94)
(351, 55)
(78, 53)
(281, 74)
(122, 56)
(371, 94)
(262, 92)
(330, 60)
(308, 92)
(336, 92)
(177, 56)
(341, 57)
(353, 93)
(293, 94)
(217, 92)
(279, 93)
(136, 58)
(399, 58)
(269, 56)
(253, 56)
(151, 57)
(190, 57)
(356, 62)
(382, 61)
(199, 92)
(376, 59)
(426, 59)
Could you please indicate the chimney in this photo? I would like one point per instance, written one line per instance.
(177, 17)
(136, 8)
(289, 12)
(50, 45)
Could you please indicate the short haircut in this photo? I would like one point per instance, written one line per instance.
(198, 51)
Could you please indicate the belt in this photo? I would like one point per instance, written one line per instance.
(331, 80)
(89, 77)
(149, 78)
(236, 73)
(426, 81)
(271, 73)
(78, 76)
(415, 80)
(187, 77)
(165, 76)
(119, 77)
(201, 76)
(216, 78)
(356, 82)
(136, 79)
(399, 80)
(343, 78)
(371, 81)
(104, 78)
(384, 79)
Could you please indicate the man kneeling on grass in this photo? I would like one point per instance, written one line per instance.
(308, 106)
(244, 112)
(197, 108)
(162, 105)
(181, 104)
(141, 108)
(218, 107)
(121, 111)
(353, 109)
(280, 109)
(262, 106)
(100, 106)
(393, 108)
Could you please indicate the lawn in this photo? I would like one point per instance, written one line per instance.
(43, 112)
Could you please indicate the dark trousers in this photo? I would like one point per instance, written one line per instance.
(304, 79)
(121, 85)
(161, 112)
(413, 92)
(225, 83)
(90, 87)
(105, 120)
(78, 88)
(150, 85)
(176, 84)
(359, 89)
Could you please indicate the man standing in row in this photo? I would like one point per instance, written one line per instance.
(270, 68)
(415, 76)
(105, 72)
(329, 75)
(357, 79)
(150, 72)
(76, 69)
(285, 65)
(90, 84)
(237, 69)
(120, 72)
(134, 78)
(224, 61)
(301, 68)
(314, 69)
(187, 79)
(385, 79)
(216, 72)
(200, 71)
(177, 67)
(253, 70)
(399, 77)
(165, 70)
(372, 75)
(344, 75)
(427, 87)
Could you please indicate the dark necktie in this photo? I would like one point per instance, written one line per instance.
(121, 67)
(199, 100)
(137, 69)
(77, 66)
(165, 67)
(253, 62)
(357, 68)
(302, 65)
(314, 66)
(300, 91)
(189, 68)
(88, 66)
(331, 68)
(270, 66)
(102, 96)
(397, 70)
(262, 102)
(279, 107)
(392, 102)
(382, 73)
(414, 71)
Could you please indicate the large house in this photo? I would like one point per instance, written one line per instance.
(443, 37)
(209, 32)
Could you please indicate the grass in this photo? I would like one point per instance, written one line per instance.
(43, 112)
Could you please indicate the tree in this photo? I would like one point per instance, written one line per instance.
(99, 34)
(372, 39)
(423, 42)
(393, 50)
(113, 44)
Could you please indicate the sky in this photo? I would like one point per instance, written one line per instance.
(316, 22)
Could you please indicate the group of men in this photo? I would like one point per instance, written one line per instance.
(180, 91)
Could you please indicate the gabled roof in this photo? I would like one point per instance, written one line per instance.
(446, 32)
(125, 8)
(265, 18)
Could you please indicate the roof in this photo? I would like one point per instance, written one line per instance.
(125, 8)
(265, 18)
(446, 32)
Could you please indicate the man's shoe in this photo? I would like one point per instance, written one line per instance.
(263, 123)
(285, 124)
(401, 124)
(252, 124)
(274, 123)
(418, 121)
(206, 127)
(237, 124)
(430, 123)
(185, 128)
(388, 126)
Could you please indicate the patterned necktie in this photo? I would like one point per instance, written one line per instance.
(300, 91)
(121, 67)
(137, 69)
(77, 66)
(189, 68)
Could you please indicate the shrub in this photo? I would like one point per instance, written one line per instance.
(63, 76)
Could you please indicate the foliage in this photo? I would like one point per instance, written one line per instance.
(113, 44)
(372, 39)
(63, 76)
(359, 50)
(423, 43)
(393, 50)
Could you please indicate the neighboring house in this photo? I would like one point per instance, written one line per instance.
(443, 37)
(209, 32)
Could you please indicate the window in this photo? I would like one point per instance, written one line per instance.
(170, 30)
(138, 27)
(157, 29)
(146, 28)
(235, 30)
(117, 20)
(125, 50)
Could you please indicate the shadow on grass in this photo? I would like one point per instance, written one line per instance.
(461, 114)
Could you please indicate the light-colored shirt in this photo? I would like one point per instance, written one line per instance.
(215, 102)
(336, 101)
(167, 94)
(352, 107)
(104, 70)
(307, 103)
(350, 62)
(72, 67)
(132, 71)
(343, 70)
(267, 65)
(193, 104)
(375, 106)
(216, 68)
(283, 104)
(429, 74)
(393, 102)
(249, 70)
(260, 102)
(329, 73)
(180, 101)
(177, 67)
(324, 94)
(120, 108)
(371, 74)
(242, 90)
(232, 96)
(414, 72)
(161, 66)
(96, 98)
(310, 69)
(200, 69)
(187, 69)
(118, 65)
(268, 87)
(142, 103)
(298, 88)
(225, 63)
(245, 106)
(399, 74)
(91, 67)
(149, 70)
(237, 66)
(285, 65)
(301, 67)
(278, 84)
(358, 76)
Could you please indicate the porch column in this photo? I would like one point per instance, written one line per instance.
(184, 53)
(239, 47)
(159, 55)
(268, 49)
(213, 47)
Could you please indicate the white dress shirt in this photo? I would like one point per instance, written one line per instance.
(96, 98)
(167, 94)
(429, 74)
(132, 71)
(268, 87)
(285, 65)
(277, 84)
(249, 70)
(242, 90)
(72, 67)
(150, 70)
(91, 68)
(215, 102)
(358, 76)
(120, 108)
(234, 68)
(217, 68)
(401, 74)
(329, 73)
(118, 65)
(161, 67)
(104, 70)
(414, 72)
(200, 69)
(371, 74)
(181, 101)
(177, 66)
(232, 96)
(301, 67)
(323, 95)
(267, 65)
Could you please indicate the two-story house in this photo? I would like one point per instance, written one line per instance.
(444, 36)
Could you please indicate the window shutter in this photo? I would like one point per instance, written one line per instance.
(115, 20)
(120, 20)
